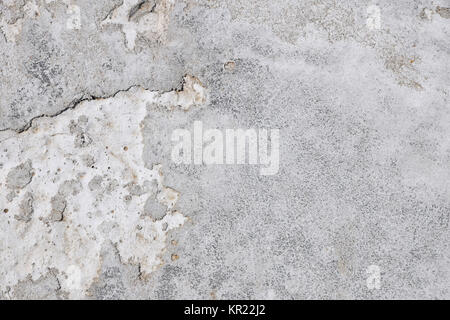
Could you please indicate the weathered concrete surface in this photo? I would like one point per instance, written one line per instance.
(358, 89)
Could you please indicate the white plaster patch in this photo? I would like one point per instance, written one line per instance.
(72, 182)
(149, 19)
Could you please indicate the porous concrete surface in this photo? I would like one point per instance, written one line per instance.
(93, 207)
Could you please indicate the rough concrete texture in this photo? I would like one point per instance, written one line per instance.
(93, 207)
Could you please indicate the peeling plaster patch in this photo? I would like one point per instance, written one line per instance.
(44, 288)
(19, 176)
(148, 18)
(25, 208)
(68, 192)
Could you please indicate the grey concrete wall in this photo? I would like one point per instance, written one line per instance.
(94, 206)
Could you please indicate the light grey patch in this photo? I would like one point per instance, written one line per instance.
(26, 208)
(82, 140)
(167, 285)
(82, 120)
(95, 183)
(20, 176)
(88, 160)
(135, 189)
(70, 187)
(59, 205)
(80, 126)
(59, 202)
(115, 278)
(74, 128)
(112, 185)
(165, 226)
(111, 286)
(107, 226)
(154, 209)
(46, 288)
(443, 12)
(10, 196)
